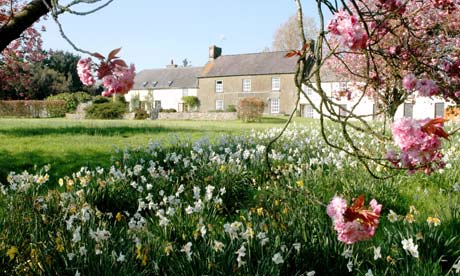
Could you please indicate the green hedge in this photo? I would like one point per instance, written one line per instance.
(33, 109)
(72, 99)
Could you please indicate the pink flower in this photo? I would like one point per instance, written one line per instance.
(354, 223)
(420, 144)
(427, 88)
(409, 82)
(349, 29)
(120, 81)
(84, 71)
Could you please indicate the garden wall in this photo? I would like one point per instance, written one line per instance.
(208, 116)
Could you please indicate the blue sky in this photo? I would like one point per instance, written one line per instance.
(153, 32)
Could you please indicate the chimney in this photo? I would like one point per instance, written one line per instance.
(172, 65)
(214, 52)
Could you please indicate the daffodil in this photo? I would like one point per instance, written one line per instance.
(12, 252)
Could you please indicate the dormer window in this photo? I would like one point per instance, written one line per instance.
(154, 83)
(144, 84)
(170, 83)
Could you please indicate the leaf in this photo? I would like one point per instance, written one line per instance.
(97, 55)
(113, 53)
(292, 53)
(435, 127)
(119, 62)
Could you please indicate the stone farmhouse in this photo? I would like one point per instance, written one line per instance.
(226, 79)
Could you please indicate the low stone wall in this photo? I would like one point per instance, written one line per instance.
(211, 116)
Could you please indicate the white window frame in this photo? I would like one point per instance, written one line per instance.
(309, 111)
(343, 85)
(275, 106)
(309, 91)
(247, 85)
(184, 92)
(276, 84)
(219, 104)
(219, 86)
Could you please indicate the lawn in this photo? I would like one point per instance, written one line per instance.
(68, 145)
(191, 206)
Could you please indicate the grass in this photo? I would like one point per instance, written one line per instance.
(67, 145)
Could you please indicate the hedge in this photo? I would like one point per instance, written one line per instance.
(33, 109)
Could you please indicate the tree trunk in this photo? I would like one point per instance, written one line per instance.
(22, 20)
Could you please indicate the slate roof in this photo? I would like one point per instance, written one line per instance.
(167, 78)
(267, 63)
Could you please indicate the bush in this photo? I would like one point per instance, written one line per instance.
(168, 110)
(452, 112)
(72, 99)
(230, 108)
(100, 99)
(250, 109)
(191, 102)
(33, 109)
(140, 114)
(107, 110)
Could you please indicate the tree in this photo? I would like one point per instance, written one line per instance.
(17, 18)
(392, 49)
(65, 63)
(287, 36)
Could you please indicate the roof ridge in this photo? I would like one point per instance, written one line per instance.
(258, 53)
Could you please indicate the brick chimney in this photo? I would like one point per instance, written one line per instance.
(214, 52)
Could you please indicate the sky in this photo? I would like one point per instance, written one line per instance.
(152, 33)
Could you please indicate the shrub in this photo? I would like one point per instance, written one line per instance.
(108, 110)
(250, 109)
(72, 99)
(100, 99)
(140, 114)
(33, 109)
(168, 110)
(230, 108)
(192, 102)
(452, 112)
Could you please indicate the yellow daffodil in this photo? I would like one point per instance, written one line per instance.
(299, 183)
(12, 252)
(119, 216)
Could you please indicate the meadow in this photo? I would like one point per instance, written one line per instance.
(157, 203)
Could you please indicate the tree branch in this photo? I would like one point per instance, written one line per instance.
(21, 21)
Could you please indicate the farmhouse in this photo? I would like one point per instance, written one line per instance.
(226, 79)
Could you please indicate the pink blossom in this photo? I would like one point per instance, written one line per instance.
(420, 144)
(409, 82)
(354, 223)
(120, 81)
(427, 88)
(84, 71)
(349, 29)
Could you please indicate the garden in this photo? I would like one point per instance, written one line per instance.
(208, 205)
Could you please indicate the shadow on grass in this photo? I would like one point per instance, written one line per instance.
(94, 131)
(61, 165)
(272, 120)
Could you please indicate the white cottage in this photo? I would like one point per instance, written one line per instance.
(414, 107)
(164, 88)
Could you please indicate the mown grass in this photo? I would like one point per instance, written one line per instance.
(67, 145)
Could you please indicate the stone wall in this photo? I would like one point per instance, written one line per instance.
(208, 116)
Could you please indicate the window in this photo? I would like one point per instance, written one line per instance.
(219, 86)
(343, 86)
(184, 92)
(275, 105)
(343, 110)
(157, 105)
(375, 111)
(246, 85)
(219, 104)
(276, 84)
(408, 110)
(439, 110)
(308, 111)
(309, 91)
